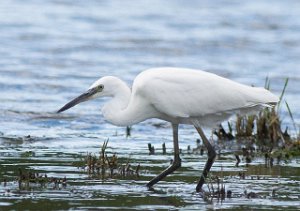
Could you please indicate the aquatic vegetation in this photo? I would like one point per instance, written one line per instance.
(107, 166)
(27, 179)
(216, 189)
(264, 128)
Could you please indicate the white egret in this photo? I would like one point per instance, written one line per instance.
(179, 96)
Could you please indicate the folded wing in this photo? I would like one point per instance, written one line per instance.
(187, 93)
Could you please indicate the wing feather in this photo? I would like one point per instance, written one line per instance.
(183, 93)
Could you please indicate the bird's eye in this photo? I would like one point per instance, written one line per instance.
(98, 88)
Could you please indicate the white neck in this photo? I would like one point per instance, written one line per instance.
(119, 110)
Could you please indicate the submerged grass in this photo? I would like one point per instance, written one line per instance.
(27, 179)
(265, 128)
(107, 166)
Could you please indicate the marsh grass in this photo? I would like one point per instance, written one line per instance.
(107, 165)
(28, 179)
(265, 128)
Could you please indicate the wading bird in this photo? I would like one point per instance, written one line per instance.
(179, 96)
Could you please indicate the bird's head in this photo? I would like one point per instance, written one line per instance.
(101, 88)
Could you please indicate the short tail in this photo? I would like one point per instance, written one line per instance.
(265, 97)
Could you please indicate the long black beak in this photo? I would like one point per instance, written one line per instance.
(81, 98)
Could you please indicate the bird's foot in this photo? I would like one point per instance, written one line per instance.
(150, 187)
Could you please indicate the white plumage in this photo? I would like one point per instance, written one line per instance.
(180, 96)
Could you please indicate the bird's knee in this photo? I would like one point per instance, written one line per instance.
(177, 163)
(212, 154)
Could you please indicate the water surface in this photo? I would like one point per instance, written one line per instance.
(51, 51)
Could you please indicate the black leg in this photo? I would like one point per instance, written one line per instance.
(210, 160)
(176, 163)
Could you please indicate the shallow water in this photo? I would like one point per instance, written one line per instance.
(51, 51)
(56, 159)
